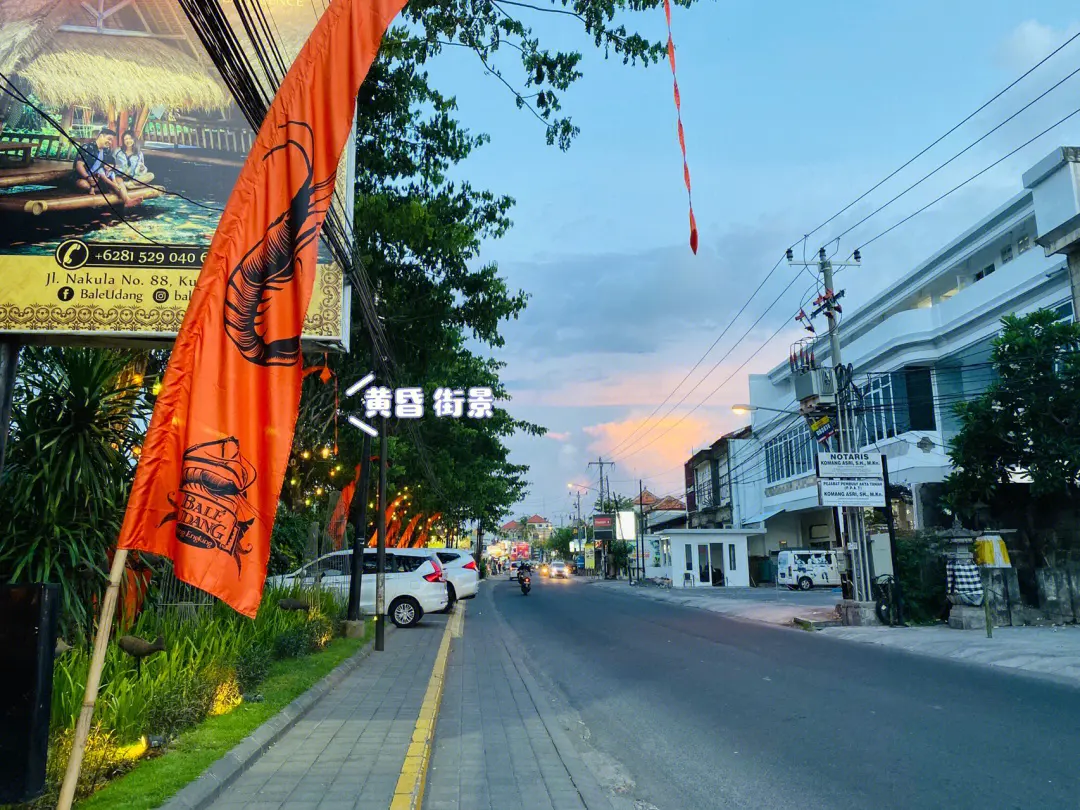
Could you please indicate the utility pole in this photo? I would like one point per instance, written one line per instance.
(615, 519)
(380, 548)
(846, 435)
(641, 530)
(360, 534)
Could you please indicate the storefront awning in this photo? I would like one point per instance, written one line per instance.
(761, 517)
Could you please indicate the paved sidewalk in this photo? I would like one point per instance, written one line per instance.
(1048, 651)
(492, 747)
(764, 604)
(347, 752)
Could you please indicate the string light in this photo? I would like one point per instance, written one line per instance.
(319, 491)
(332, 472)
(293, 481)
(136, 450)
(306, 454)
(157, 388)
(307, 502)
(326, 452)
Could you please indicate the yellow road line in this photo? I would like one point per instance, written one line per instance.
(409, 793)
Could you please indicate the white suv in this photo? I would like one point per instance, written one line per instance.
(415, 581)
(462, 575)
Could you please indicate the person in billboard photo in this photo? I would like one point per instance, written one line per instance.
(130, 162)
(94, 167)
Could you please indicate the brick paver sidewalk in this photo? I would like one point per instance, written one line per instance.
(347, 752)
(493, 750)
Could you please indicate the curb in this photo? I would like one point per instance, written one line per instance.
(201, 793)
(409, 793)
(816, 624)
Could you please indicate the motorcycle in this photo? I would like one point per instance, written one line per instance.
(525, 580)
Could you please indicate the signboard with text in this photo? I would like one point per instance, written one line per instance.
(604, 527)
(849, 465)
(116, 166)
(852, 492)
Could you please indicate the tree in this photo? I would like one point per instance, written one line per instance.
(613, 503)
(1026, 425)
(78, 419)
(559, 543)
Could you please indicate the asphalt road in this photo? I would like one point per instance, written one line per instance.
(694, 710)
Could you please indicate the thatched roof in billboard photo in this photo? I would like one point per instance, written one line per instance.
(98, 71)
(26, 25)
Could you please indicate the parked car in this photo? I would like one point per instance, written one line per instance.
(415, 581)
(807, 568)
(462, 575)
(559, 570)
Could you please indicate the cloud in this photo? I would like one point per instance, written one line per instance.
(559, 437)
(1030, 42)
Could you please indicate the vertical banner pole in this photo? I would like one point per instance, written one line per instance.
(93, 681)
(380, 548)
(360, 530)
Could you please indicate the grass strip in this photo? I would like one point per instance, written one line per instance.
(154, 781)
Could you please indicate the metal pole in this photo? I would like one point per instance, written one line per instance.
(641, 530)
(853, 517)
(898, 599)
(380, 548)
(9, 363)
(359, 530)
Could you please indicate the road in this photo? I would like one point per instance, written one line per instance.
(677, 708)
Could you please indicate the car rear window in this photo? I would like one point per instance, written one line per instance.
(447, 556)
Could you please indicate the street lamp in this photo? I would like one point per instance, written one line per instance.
(743, 409)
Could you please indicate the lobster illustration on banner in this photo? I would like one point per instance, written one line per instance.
(272, 264)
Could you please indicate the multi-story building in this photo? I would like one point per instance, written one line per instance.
(708, 478)
(917, 348)
(538, 529)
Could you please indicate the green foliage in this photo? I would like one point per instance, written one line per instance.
(921, 560)
(613, 503)
(252, 665)
(559, 542)
(209, 660)
(289, 541)
(619, 555)
(76, 417)
(1028, 420)
(485, 27)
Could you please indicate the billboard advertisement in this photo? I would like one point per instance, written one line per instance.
(119, 146)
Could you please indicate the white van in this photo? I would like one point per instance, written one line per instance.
(807, 568)
(415, 581)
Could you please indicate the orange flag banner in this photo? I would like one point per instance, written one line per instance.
(340, 517)
(682, 136)
(207, 486)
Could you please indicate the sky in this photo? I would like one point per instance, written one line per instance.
(792, 110)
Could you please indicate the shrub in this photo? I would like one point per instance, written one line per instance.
(320, 631)
(921, 558)
(179, 704)
(252, 666)
(292, 643)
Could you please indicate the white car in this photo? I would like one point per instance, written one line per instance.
(514, 566)
(415, 581)
(462, 575)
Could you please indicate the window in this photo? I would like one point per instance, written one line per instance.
(790, 454)
(984, 272)
(731, 557)
(1023, 244)
(920, 399)
(703, 486)
(878, 414)
(1006, 254)
(446, 556)
(689, 557)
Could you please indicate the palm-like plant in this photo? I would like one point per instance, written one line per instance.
(77, 420)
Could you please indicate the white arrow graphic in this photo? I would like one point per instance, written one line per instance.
(359, 385)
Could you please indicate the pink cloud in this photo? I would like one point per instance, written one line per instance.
(559, 437)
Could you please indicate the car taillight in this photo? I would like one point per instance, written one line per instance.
(471, 565)
(437, 575)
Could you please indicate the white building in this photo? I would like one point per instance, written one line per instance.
(917, 348)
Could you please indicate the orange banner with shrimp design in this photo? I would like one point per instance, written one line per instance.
(207, 486)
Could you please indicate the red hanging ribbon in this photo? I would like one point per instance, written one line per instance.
(682, 135)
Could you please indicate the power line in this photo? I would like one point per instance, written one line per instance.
(957, 126)
(963, 151)
(973, 177)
